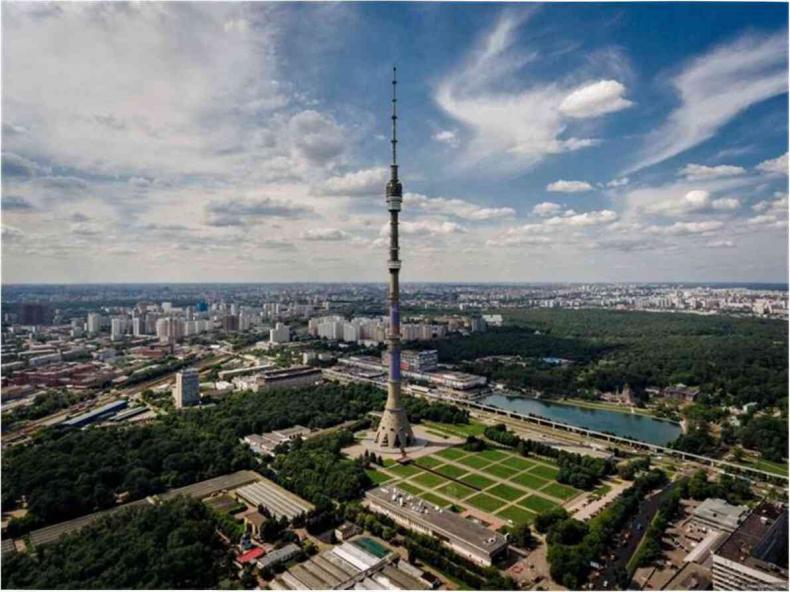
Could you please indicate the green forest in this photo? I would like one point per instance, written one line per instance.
(168, 546)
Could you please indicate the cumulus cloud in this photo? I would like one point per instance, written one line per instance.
(446, 137)
(317, 137)
(455, 207)
(713, 89)
(592, 100)
(696, 172)
(697, 200)
(425, 228)
(687, 228)
(546, 208)
(242, 212)
(364, 182)
(593, 218)
(325, 234)
(562, 186)
(776, 166)
(19, 166)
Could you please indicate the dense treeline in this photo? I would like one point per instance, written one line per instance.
(170, 546)
(766, 434)
(419, 409)
(573, 545)
(650, 549)
(576, 470)
(44, 404)
(67, 474)
(316, 470)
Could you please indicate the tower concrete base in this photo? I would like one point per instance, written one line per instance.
(426, 444)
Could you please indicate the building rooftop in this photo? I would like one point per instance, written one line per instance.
(717, 511)
(760, 541)
(471, 533)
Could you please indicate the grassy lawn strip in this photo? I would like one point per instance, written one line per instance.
(529, 480)
(409, 488)
(558, 490)
(429, 462)
(484, 502)
(451, 471)
(549, 473)
(518, 463)
(537, 503)
(506, 492)
(403, 470)
(474, 461)
(477, 481)
(428, 480)
(500, 471)
(517, 515)
(492, 454)
(435, 500)
(452, 453)
(456, 490)
(377, 477)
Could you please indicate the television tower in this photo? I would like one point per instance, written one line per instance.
(394, 430)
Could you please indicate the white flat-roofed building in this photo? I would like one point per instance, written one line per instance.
(717, 514)
(280, 502)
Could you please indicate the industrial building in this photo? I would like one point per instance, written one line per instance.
(295, 376)
(278, 501)
(266, 443)
(467, 538)
(103, 412)
(754, 556)
(362, 564)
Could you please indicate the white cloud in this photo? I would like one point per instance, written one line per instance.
(713, 89)
(458, 208)
(592, 100)
(696, 172)
(776, 165)
(446, 137)
(696, 200)
(721, 244)
(621, 182)
(546, 208)
(586, 219)
(365, 182)
(687, 228)
(726, 203)
(425, 228)
(325, 234)
(515, 241)
(562, 186)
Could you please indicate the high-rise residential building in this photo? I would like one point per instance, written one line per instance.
(187, 389)
(169, 329)
(33, 313)
(94, 323)
(138, 326)
(394, 430)
(118, 328)
(280, 333)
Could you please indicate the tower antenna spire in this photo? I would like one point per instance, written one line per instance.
(394, 122)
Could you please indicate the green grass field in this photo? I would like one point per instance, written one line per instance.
(500, 471)
(377, 477)
(484, 502)
(456, 490)
(537, 504)
(428, 480)
(435, 499)
(506, 492)
(560, 491)
(529, 480)
(451, 453)
(451, 471)
(492, 454)
(517, 515)
(474, 461)
(409, 488)
(429, 462)
(518, 463)
(548, 473)
(477, 481)
(403, 470)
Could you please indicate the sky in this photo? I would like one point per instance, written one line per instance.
(249, 142)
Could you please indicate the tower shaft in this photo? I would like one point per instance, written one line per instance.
(394, 430)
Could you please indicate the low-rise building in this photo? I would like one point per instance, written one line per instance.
(717, 514)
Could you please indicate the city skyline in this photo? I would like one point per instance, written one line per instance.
(215, 145)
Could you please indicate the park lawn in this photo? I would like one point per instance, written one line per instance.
(428, 480)
(435, 499)
(517, 515)
(500, 471)
(477, 481)
(492, 454)
(409, 488)
(388, 462)
(558, 490)
(484, 502)
(429, 462)
(404, 470)
(603, 490)
(528, 480)
(537, 503)
(474, 461)
(451, 453)
(518, 463)
(456, 490)
(377, 476)
(451, 471)
(457, 429)
(546, 472)
(506, 492)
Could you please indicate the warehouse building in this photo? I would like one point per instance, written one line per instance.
(103, 412)
(467, 538)
(278, 501)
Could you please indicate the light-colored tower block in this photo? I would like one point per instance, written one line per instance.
(394, 430)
